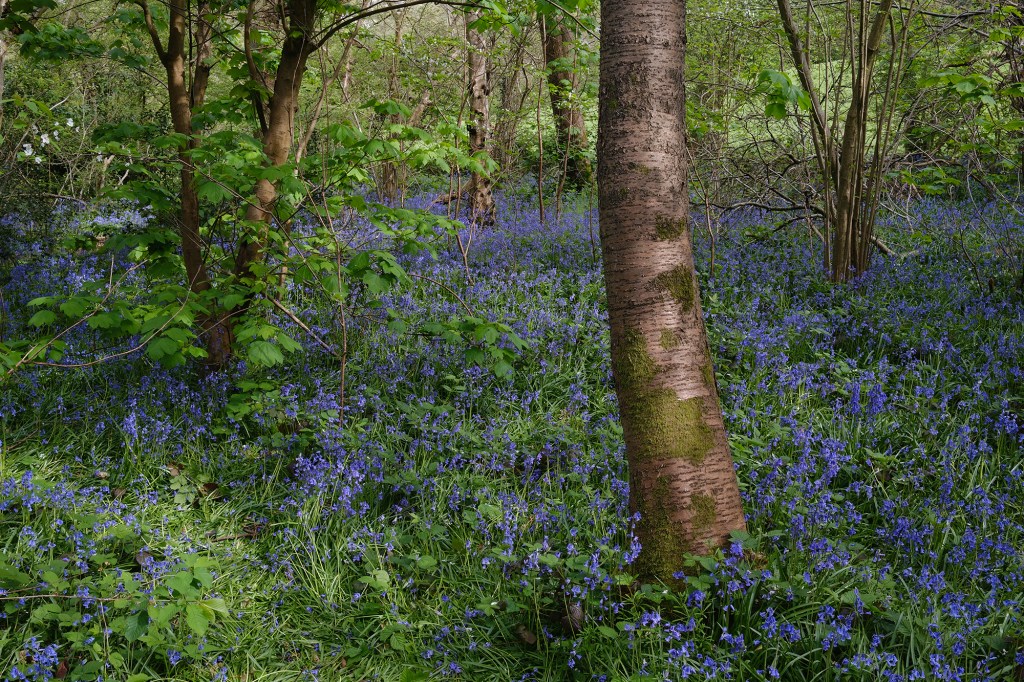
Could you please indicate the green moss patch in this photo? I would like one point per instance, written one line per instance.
(669, 339)
(666, 426)
(634, 366)
(678, 282)
(664, 541)
(704, 508)
(666, 228)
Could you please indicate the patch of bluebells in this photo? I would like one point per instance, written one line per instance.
(37, 662)
(876, 428)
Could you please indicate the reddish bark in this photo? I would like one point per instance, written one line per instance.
(682, 479)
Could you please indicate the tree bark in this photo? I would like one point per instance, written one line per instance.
(481, 199)
(563, 82)
(3, 60)
(851, 244)
(1014, 54)
(682, 479)
(216, 327)
(842, 162)
(280, 133)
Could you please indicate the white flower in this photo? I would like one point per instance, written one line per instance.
(44, 139)
(38, 160)
(28, 149)
(70, 122)
(56, 134)
(99, 158)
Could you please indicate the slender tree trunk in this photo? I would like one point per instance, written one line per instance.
(563, 82)
(280, 133)
(513, 98)
(216, 327)
(853, 230)
(1014, 53)
(842, 163)
(3, 60)
(481, 200)
(391, 171)
(682, 479)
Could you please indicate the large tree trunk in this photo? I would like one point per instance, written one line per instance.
(563, 82)
(481, 200)
(682, 479)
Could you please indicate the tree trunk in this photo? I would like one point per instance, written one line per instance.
(851, 247)
(216, 327)
(280, 134)
(570, 127)
(842, 162)
(481, 200)
(1014, 54)
(682, 479)
(391, 171)
(3, 60)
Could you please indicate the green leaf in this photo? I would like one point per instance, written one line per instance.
(265, 354)
(216, 605)
(72, 307)
(398, 642)
(181, 583)
(161, 347)
(502, 368)
(776, 110)
(43, 318)
(136, 626)
(198, 619)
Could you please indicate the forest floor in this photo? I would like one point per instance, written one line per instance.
(159, 524)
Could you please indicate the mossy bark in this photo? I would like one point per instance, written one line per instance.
(682, 479)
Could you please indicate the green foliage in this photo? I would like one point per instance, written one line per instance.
(111, 614)
(781, 92)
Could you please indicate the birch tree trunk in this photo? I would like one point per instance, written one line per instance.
(681, 474)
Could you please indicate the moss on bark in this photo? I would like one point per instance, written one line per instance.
(709, 374)
(678, 282)
(634, 368)
(669, 339)
(666, 228)
(664, 541)
(704, 509)
(666, 426)
(663, 425)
